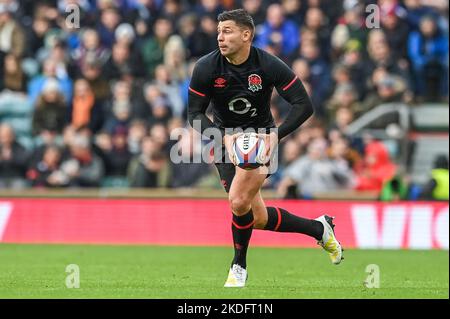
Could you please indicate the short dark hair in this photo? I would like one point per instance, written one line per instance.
(240, 16)
(441, 161)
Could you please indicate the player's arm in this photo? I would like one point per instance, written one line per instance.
(198, 101)
(292, 90)
(198, 98)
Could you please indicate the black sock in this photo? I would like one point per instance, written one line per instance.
(241, 227)
(281, 220)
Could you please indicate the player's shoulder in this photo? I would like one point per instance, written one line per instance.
(266, 58)
(270, 64)
(209, 59)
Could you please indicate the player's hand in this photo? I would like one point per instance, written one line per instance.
(271, 142)
(228, 141)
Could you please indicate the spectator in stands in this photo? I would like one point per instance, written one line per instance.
(289, 152)
(344, 116)
(59, 53)
(36, 35)
(186, 171)
(14, 79)
(120, 117)
(198, 40)
(160, 135)
(187, 28)
(377, 168)
(344, 96)
(152, 49)
(149, 168)
(381, 55)
(307, 35)
(428, 51)
(109, 19)
(415, 11)
(119, 155)
(172, 9)
(315, 173)
(126, 34)
(175, 59)
(85, 110)
(12, 35)
(50, 110)
(125, 60)
(352, 62)
(278, 29)
(257, 9)
(158, 105)
(320, 77)
(389, 88)
(350, 27)
(170, 88)
(143, 13)
(209, 7)
(138, 130)
(123, 92)
(207, 33)
(13, 159)
(341, 75)
(83, 167)
(396, 30)
(437, 188)
(294, 10)
(301, 69)
(119, 65)
(91, 70)
(70, 35)
(311, 129)
(317, 23)
(90, 48)
(394, 189)
(340, 151)
(47, 172)
(37, 83)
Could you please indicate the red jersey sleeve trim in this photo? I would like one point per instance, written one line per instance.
(196, 92)
(290, 83)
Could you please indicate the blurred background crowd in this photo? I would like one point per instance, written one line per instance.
(94, 106)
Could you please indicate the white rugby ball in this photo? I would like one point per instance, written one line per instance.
(249, 151)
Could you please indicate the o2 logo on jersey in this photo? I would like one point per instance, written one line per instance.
(254, 82)
(248, 106)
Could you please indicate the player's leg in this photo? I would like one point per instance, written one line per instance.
(259, 210)
(280, 220)
(244, 187)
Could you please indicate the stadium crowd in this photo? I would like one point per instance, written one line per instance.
(94, 105)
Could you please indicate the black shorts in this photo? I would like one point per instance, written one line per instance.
(226, 173)
(227, 170)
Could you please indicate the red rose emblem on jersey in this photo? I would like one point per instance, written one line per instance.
(254, 82)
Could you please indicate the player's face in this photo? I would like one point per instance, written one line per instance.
(231, 37)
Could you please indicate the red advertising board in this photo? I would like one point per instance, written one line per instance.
(413, 225)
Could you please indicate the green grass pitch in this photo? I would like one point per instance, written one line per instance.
(39, 271)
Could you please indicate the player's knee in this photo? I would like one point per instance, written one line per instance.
(240, 204)
(260, 221)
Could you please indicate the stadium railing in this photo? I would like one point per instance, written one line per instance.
(161, 193)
